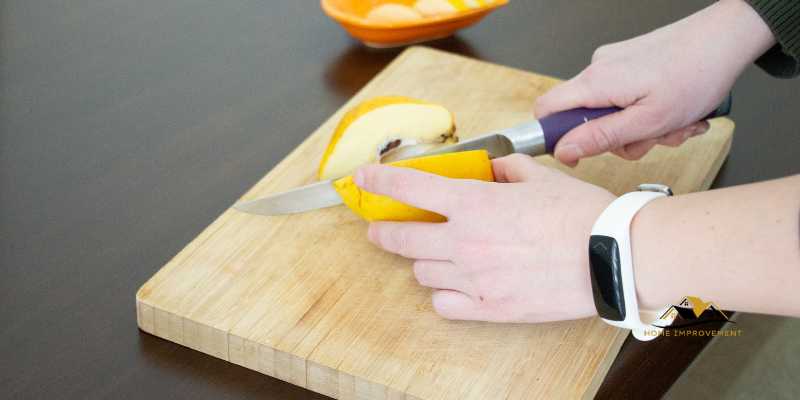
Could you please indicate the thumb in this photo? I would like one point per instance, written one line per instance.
(608, 133)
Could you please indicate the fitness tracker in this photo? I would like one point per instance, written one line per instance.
(611, 264)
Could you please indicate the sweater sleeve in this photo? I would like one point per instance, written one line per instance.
(783, 19)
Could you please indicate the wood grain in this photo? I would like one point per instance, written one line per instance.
(305, 298)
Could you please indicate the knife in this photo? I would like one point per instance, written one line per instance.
(534, 138)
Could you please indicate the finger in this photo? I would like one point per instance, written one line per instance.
(441, 275)
(675, 138)
(571, 94)
(452, 304)
(636, 150)
(679, 136)
(608, 133)
(515, 168)
(412, 239)
(421, 189)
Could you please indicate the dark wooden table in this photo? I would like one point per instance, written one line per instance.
(127, 126)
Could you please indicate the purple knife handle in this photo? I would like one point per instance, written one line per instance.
(554, 126)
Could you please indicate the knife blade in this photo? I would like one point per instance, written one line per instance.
(533, 138)
(305, 198)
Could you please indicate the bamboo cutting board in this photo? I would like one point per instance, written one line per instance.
(307, 299)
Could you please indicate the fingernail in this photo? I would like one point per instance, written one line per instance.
(358, 178)
(570, 151)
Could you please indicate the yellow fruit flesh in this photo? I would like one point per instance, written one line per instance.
(369, 125)
(374, 207)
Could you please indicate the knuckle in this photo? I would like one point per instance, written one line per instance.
(397, 185)
(604, 138)
(400, 241)
(483, 196)
(540, 105)
(368, 176)
(590, 75)
(518, 159)
(599, 53)
(472, 255)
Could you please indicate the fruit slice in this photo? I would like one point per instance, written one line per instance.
(379, 124)
(431, 8)
(374, 207)
(393, 13)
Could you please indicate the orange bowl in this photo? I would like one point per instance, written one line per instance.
(351, 15)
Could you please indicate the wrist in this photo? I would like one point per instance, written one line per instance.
(746, 34)
(655, 284)
(613, 276)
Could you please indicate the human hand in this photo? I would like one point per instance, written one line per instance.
(665, 80)
(514, 251)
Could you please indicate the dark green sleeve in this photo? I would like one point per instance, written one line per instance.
(783, 18)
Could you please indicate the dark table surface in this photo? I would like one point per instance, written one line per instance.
(127, 126)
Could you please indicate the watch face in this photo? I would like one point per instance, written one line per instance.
(606, 275)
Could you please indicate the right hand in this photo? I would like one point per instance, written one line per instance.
(665, 80)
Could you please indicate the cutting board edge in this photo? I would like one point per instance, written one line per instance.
(272, 362)
(183, 331)
(605, 365)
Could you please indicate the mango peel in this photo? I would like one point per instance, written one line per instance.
(374, 207)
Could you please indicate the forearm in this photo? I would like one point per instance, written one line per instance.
(738, 247)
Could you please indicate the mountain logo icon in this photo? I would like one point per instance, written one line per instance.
(690, 311)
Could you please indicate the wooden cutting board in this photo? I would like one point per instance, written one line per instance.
(307, 299)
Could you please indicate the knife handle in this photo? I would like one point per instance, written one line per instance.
(555, 126)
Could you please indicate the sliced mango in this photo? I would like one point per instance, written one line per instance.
(379, 123)
(374, 207)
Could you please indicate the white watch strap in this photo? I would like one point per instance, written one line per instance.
(615, 222)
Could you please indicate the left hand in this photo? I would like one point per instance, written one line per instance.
(511, 251)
